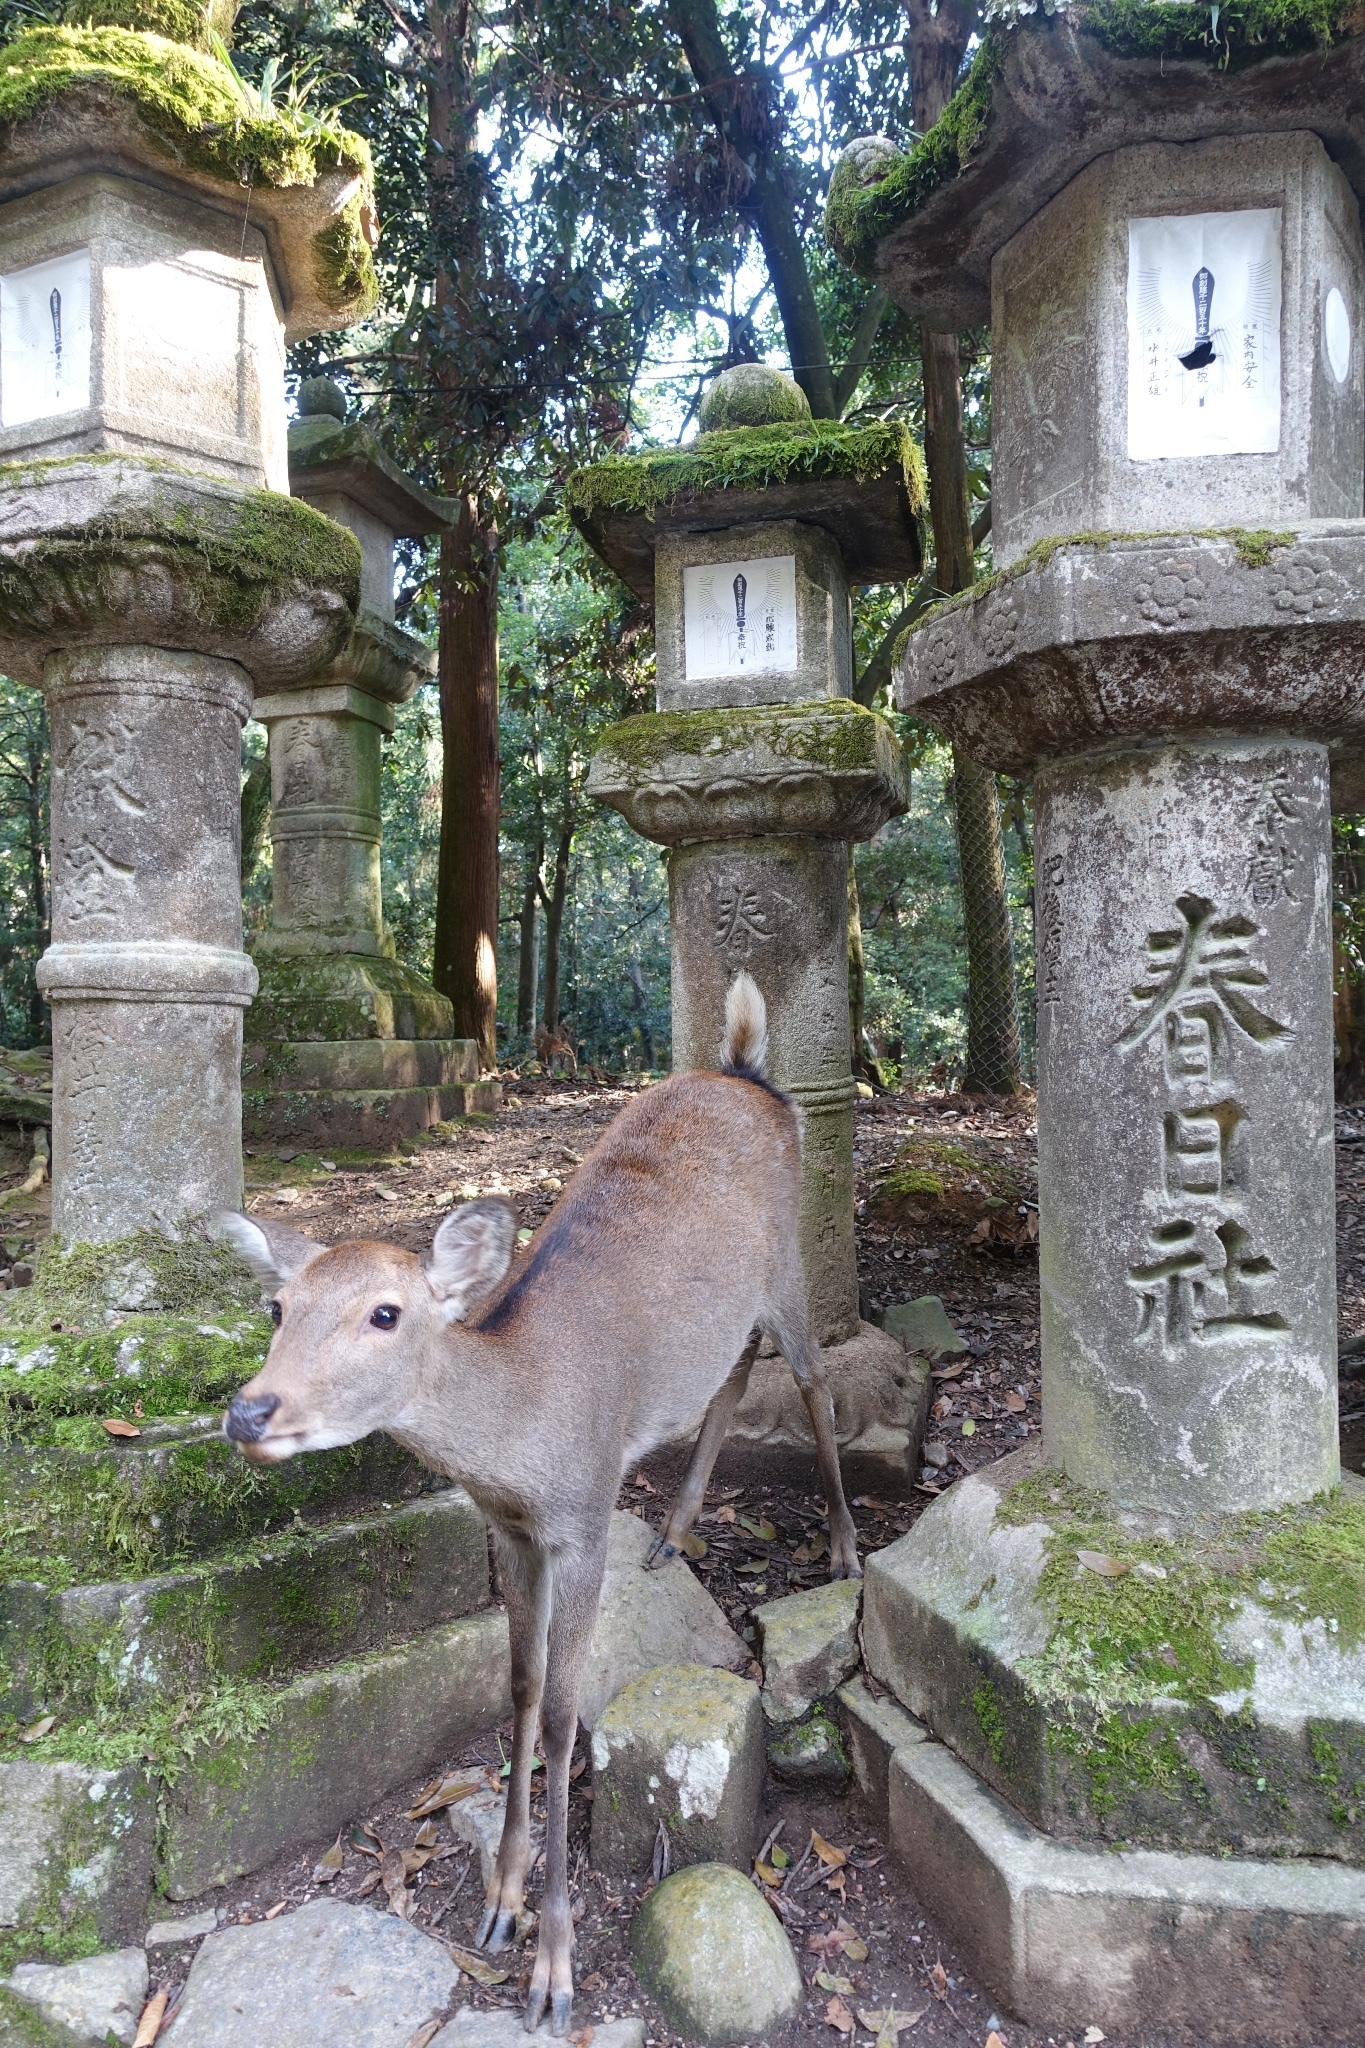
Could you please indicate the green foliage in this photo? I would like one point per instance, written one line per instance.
(24, 877)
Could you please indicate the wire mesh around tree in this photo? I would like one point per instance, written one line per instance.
(994, 1050)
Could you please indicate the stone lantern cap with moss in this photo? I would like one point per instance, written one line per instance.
(820, 505)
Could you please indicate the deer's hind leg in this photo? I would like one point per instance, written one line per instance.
(525, 1574)
(690, 1495)
(792, 1334)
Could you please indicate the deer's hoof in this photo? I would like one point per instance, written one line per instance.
(496, 1928)
(658, 1557)
(561, 2010)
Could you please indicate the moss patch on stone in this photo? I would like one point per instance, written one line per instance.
(830, 732)
(238, 556)
(1222, 36)
(745, 459)
(83, 1287)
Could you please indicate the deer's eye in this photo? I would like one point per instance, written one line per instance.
(276, 1314)
(385, 1317)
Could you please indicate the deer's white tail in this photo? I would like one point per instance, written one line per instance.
(744, 1049)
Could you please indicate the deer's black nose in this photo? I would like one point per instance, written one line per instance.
(246, 1420)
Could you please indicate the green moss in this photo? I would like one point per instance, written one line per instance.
(345, 272)
(1229, 35)
(990, 1720)
(236, 557)
(930, 1169)
(1255, 548)
(180, 21)
(188, 101)
(148, 1271)
(751, 395)
(830, 732)
(744, 459)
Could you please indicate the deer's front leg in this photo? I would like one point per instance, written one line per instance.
(577, 1584)
(525, 1573)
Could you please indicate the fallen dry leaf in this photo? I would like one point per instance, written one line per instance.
(425, 2034)
(365, 1840)
(153, 2013)
(838, 2015)
(994, 2040)
(1106, 1566)
(725, 1514)
(581, 2037)
(827, 1852)
(856, 1949)
(329, 1866)
(938, 1981)
(447, 1791)
(275, 1911)
(695, 1546)
(887, 2025)
(1015, 1402)
(949, 1372)
(393, 1875)
(1092, 2037)
(371, 1883)
(115, 1427)
(426, 1836)
(38, 1729)
(477, 1968)
(766, 1873)
(827, 1983)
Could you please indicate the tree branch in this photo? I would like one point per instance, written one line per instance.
(864, 334)
(877, 674)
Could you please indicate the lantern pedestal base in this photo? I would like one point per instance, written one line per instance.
(362, 1093)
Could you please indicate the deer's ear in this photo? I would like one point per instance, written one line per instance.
(469, 1255)
(273, 1251)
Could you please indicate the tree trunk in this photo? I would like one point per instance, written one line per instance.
(635, 976)
(528, 955)
(863, 1066)
(466, 959)
(255, 814)
(554, 926)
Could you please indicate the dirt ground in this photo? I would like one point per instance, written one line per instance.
(987, 1280)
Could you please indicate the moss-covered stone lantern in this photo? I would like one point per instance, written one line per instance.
(161, 237)
(756, 772)
(1154, 1633)
(348, 1045)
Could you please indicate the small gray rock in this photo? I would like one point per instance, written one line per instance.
(328, 1976)
(681, 1746)
(646, 1618)
(810, 1644)
(173, 1933)
(923, 1325)
(473, 2029)
(810, 1753)
(715, 1956)
(478, 1821)
(92, 1999)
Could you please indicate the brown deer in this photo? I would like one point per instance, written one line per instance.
(645, 1294)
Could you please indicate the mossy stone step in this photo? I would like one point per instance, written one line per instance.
(265, 1611)
(177, 1492)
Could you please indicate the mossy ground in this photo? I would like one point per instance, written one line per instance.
(831, 733)
(1222, 36)
(744, 458)
(946, 1182)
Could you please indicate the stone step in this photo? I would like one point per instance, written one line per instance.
(179, 1491)
(364, 1063)
(260, 1771)
(361, 1119)
(327, 1747)
(266, 1611)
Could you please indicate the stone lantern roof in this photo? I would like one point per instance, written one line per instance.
(163, 105)
(332, 456)
(863, 485)
(1047, 94)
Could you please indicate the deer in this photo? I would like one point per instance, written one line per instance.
(538, 1384)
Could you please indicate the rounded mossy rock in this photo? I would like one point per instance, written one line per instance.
(321, 398)
(716, 1957)
(752, 395)
(867, 160)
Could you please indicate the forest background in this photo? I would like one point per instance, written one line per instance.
(586, 214)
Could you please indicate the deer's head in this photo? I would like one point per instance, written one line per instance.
(355, 1325)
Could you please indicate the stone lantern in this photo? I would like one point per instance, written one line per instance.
(347, 1044)
(1122, 1634)
(159, 244)
(757, 771)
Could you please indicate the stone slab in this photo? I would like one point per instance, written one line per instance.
(681, 1748)
(308, 1598)
(875, 1729)
(646, 1618)
(336, 1741)
(923, 1326)
(328, 1976)
(1234, 1949)
(361, 1063)
(336, 987)
(93, 1999)
(809, 1644)
(76, 1845)
(176, 1933)
(362, 1119)
(472, 2028)
(478, 1822)
(1149, 636)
